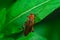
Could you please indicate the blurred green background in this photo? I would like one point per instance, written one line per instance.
(13, 15)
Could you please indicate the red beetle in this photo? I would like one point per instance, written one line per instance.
(29, 25)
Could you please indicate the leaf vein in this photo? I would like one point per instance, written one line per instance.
(27, 11)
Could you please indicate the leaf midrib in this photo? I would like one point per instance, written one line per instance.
(27, 11)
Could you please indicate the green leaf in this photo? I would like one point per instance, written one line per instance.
(32, 36)
(18, 12)
(2, 20)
